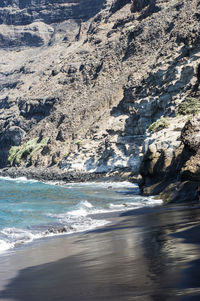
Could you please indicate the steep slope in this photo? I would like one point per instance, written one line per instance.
(83, 93)
(38, 23)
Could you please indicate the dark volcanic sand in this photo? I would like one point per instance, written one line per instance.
(141, 256)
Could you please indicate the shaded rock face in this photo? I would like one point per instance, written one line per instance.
(145, 7)
(137, 5)
(118, 4)
(191, 138)
(37, 23)
(190, 134)
(174, 156)
(163, 153)
(101, 74)
(12, 136)
(24, 12)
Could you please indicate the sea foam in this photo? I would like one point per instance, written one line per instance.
(19, 180)
(29, 212)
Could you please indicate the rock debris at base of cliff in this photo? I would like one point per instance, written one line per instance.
(102, 87)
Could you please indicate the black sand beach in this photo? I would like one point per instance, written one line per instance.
(148, 255)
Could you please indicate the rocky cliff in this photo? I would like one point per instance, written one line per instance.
(85, 83)
(37, 23)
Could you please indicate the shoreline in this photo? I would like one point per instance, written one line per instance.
(142, 255)
(169, 190)
(58, 229)
(83, 216)
(97, 219)
(57, 174)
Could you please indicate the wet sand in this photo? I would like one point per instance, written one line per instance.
(149, 255)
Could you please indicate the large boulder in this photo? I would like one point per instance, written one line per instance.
(171, 163)
(190, 135)
(191, 138)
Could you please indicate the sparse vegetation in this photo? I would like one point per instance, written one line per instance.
(158, 125)
(189, 106)
(12, 154)
(78, 143)
(26, 151)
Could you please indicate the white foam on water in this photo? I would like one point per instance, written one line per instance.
(85, 208)
(4, 246)
(54, 183)
(79, 212)
(19, 180)
(15, 236)
(146, 202)
(151, 201)
(86, 204)
(108, 185)
(79, 218)
(12, 237)
(76, 220)
(90, 224)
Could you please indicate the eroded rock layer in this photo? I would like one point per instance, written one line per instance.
(90, 77)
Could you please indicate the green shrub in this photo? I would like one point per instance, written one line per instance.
(158, 125)
(39, 146)
(12, 154)
(189, 106)
(26, 151)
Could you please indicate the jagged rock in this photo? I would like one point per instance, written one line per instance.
(181, 167)
(191, 138)
(190, 134)
(50, 11)
(37, 23)
(163, 153)
(138, 5)
(95, 79)
(191, 169)
(118, 4)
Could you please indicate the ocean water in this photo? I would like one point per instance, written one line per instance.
(30, 209)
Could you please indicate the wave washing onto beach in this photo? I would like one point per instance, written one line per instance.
(31, 210)
(18, 180)
(13, 237)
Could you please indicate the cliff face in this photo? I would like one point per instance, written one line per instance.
(37, 23)
(82, 81)
(171, 168)
(24, 12)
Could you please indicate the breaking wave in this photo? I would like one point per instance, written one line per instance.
(31, 210)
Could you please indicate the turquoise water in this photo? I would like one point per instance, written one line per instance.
(30, 209)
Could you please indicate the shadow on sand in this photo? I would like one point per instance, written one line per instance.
(141, 257)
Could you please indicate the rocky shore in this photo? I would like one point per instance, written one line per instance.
(93, 89)
(171, 168)
(58, 175)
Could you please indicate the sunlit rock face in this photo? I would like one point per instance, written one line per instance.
(91, 77)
